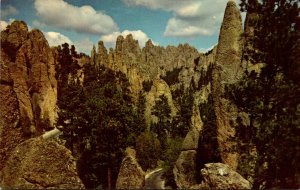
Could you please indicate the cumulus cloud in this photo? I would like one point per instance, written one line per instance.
(56, 38)
(191, 18)
(84, 19)
(85, 45)
(110, 39)
(8, 11)
(169, 5)
(3, 25)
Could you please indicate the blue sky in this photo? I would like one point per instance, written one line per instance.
(85, 22)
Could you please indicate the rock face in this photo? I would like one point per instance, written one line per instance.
(28, 108)
(38, 163)
(220, 176)
(28, 86)
(131, 175)
(185, 167)
(30, 65)
(10, 132)
(227, 69)
(159, 87)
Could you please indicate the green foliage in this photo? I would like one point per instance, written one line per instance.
(205, 76)
(170, 156)
(182, 121)
(208, 145)
(102, 122)
(162, 111)
(171, 132)
(148, 150)
(172, 76)
(271, 97)
(147, 85)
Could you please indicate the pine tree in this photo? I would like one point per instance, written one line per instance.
(271, 97)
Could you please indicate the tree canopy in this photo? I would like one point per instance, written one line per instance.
(271, 96)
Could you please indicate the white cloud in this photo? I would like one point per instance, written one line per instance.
(56, 38)
(38, 24)
(3, 25)
(85, 45)
(191, 18)
(8, 10)
(183, 28)
(84, 19)
(168, 5)
(110, 39)
(205, 50)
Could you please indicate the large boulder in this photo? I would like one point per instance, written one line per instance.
(39, 164)
(221, 176)
(131, 175)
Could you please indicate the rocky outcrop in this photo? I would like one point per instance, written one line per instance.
(28, 86)
(148, 63)
(131, 175)
(40, 164)
(10, 130)
(185, 168)
(30, 65)
(28, 108)
(227, 69)
(221, 176)
(159, 87)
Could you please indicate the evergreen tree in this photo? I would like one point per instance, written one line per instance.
(162, 111)
(101, 123)
(271, 97)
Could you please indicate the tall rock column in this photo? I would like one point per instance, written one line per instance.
(227, 70)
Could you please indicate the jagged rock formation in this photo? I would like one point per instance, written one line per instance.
(131, 175)
(159, 87)
(30, 64)
(227, 69)
(148, 64)
(38, 163)
(220, 176)
(28, 108)
(28, 86)
(10, 132)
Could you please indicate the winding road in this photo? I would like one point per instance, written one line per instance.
(154, 180)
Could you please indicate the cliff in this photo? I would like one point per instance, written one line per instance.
(28, 109)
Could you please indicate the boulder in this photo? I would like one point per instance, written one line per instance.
(131, 175)
(221, 176)
(39, 164)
